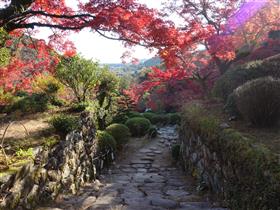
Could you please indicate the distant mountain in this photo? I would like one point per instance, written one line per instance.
(152, 62)
(121, 68)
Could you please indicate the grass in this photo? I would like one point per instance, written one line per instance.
(14, 167)
(17, 143)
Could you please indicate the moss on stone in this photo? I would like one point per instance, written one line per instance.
(251, 172)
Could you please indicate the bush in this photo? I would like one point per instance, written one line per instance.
(231, 106)
(149, 115)
(201, 120)
(160, 119)
(105, 141)
(259, 101)
(78, 107)
(133, 114)
(49, 85)
(174, 118)
(49, 142)
(29, 153)
(239, 75)
(21, 93)
(64, 124)
(120, 118)
(6, 99)
(153, 131)
(171, 118)
(138, 126)
(57, 102)
(120, 133)
(30, 104)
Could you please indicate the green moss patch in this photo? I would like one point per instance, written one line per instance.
(251, 171)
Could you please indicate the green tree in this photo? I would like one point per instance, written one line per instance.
(80, 75)
(5, 53)
(106, 95)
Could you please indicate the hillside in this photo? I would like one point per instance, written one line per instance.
(121, 68)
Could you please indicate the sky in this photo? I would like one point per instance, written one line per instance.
(93, 46)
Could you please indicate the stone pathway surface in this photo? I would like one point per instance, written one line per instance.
(145, 179)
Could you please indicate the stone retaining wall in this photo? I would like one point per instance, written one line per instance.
(63, 168)
(234, 168)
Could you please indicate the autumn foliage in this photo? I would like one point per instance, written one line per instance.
(207, 38)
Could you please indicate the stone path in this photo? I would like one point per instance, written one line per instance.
(146, 179)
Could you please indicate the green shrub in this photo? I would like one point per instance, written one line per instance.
(120, 118)
(239, 75)
(133, 114)
(50, 141)
(120, 133)
(201, 120)
(162, 119)
(6, 99)
(174, 118)
(57, 102)
(231, 106)
(259, 101)
(21, 93)
(78, 107)
(30, 104)
(138, 126)
(25, 153)
(47, 84)
(64, 124)
(152, 131)
(149, 115)
(175, 151)
(105, 141)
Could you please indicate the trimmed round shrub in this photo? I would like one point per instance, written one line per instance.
(149, 115)
(105, 141)
(174, 118)
(134, 114)
(231, 106)
(171, 118)
(120, 133)
(153, 131)
(138, 126)
(241, 74)
(120, 118)
(259, 101)
(64, 124)
(160, 119)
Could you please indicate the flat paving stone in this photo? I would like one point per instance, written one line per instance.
(150, 154)
(165, 203)
(128, 170)
(142, 170)
(138, 165)
(140, 161)
(148, 159)
(145, 179)
(177, 193)
(145, 150)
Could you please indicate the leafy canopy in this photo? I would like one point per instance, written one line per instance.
(80, 75)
